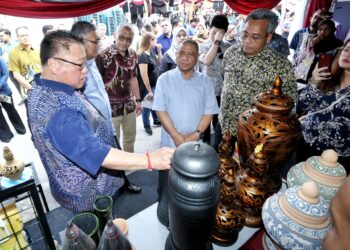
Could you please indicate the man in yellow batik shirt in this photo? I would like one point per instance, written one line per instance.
(24, 61)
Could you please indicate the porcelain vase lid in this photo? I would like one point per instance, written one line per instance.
(324, 170)
(305, 206)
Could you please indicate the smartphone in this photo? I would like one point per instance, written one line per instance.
(325, 61)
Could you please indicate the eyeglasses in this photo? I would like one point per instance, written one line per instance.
(96, 42)
(124, 38)
(80, 65)
(253, 38)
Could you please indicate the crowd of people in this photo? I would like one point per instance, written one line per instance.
(83, 89)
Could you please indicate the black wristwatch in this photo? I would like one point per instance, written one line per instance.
(138, 100)
(199, 133)
(217, 42)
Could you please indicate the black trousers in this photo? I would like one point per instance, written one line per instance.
(5, 132)
(207, 134)
(15, 82)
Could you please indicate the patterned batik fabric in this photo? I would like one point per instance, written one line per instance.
(329, 128)
(116, 71)
(245, 77)
(74, 186)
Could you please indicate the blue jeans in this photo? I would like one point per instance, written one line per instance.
(146, 112)
(145, 117)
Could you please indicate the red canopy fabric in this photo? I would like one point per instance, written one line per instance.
(32, 9)
(246, 6)
(122, 4)
(313, 6)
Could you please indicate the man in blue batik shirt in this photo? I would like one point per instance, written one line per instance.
(75, 142)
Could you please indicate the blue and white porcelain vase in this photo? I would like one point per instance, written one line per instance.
(324, 170)
(297, 218)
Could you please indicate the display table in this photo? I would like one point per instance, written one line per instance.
(28, 173)
(147, 233)
(11, 218)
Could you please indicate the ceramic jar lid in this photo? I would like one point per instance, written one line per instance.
(274, 101)
(305, 206)
(324, 170)
(196, 160)
(297, 218)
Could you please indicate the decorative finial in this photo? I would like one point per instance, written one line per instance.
(329, 158)
(7, 154)
(277, 86)
(310, 192)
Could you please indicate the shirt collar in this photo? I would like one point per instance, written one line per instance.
(127, 53)
(165, 37)
(90, 62)
(31, 47)
(256, 55)
(54, 85)
(193, 75)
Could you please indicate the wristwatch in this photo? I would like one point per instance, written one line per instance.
(199, 133)
(138, 100)
(217, 42)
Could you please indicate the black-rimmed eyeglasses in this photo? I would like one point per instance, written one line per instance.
(80, 65)
(96, 42)
(123, 38)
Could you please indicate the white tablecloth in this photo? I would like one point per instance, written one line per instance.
(147, 233)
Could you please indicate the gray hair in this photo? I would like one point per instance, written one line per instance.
(190, 42)
(125, 26)
(270, 16)
(82, 28)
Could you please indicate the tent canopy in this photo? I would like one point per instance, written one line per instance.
(71, 8)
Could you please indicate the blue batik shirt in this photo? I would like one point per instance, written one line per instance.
(73, 140)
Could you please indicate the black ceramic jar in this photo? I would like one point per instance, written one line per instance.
(194, 189)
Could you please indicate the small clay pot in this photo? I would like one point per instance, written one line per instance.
(11, 168)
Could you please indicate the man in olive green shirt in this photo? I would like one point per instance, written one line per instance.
(24, 61)
(250, 67)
